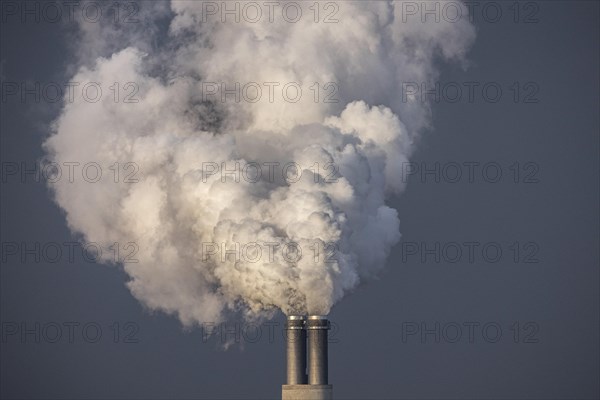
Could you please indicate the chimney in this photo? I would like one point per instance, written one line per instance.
(317, 327)
(296, 350)
(299, 386)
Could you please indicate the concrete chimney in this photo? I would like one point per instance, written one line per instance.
(316, 385)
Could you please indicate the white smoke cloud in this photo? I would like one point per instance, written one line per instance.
(180, 211)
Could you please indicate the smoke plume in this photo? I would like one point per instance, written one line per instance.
(237, 204)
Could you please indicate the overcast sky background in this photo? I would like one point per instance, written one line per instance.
(555, 301)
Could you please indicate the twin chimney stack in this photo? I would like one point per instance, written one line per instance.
(301, 385)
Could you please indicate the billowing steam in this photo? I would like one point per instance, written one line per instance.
(271, 200)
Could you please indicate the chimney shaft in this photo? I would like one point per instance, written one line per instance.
(296, 350)
(317, 327)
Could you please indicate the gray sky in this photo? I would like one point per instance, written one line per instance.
(528, 318)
